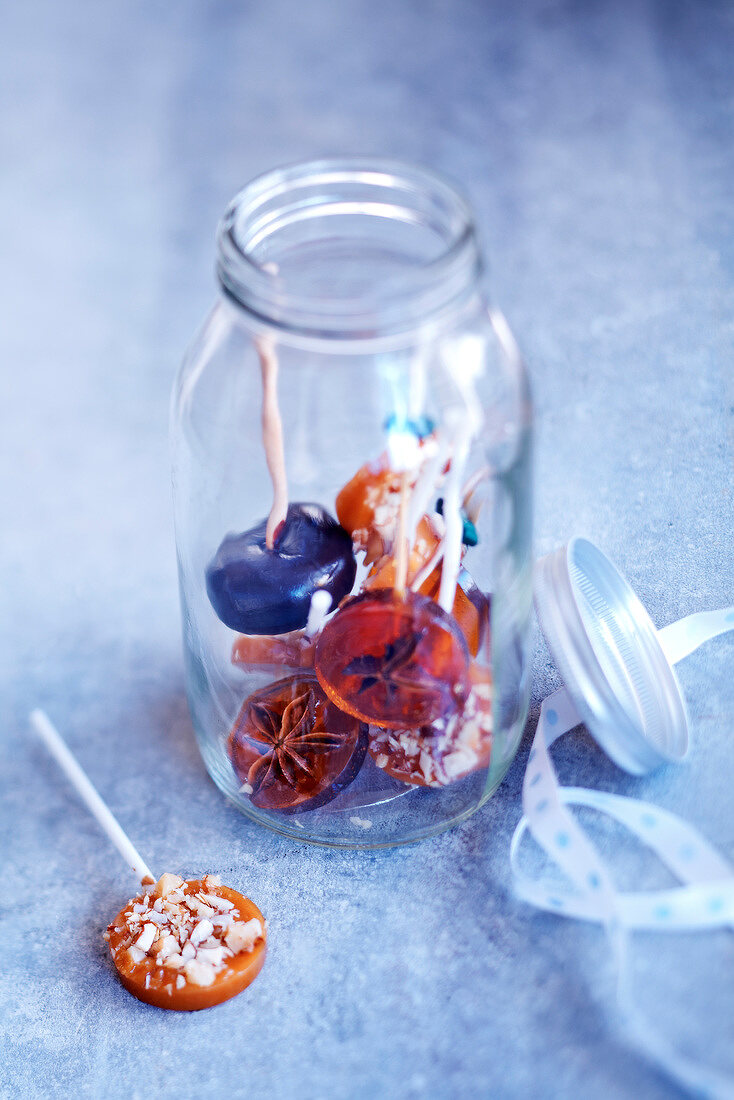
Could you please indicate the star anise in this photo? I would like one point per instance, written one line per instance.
(389, 669)
(293, 738)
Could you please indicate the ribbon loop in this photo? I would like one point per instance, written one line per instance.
(704, 898)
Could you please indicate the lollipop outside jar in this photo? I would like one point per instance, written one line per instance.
(351, 435)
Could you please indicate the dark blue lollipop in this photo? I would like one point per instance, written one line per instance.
(261, 591)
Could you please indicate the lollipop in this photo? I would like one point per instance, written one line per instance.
(294, 650)
(262, 590)
(292, 749)
(367, 507)
(180, 945)
(445, 750)
(395, 662)
(262, 581)
(187, 945)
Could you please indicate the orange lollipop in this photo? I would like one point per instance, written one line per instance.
(395, 662)
(294, 650)
(292, 749)
(187, 945)
(447, 749)
(367, 507)
(181, 945)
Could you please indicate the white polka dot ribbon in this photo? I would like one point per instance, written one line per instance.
(703, 900)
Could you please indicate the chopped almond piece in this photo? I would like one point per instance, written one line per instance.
(167, 883)
(242, 937)
(144, 942)
(199, 973)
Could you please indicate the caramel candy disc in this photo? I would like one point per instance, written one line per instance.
(395, 662)
(292, 749)
(293, 650)
(187, 945)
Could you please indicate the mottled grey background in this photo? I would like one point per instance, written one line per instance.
(596, 141)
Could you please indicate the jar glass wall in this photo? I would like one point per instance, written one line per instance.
(352, 362)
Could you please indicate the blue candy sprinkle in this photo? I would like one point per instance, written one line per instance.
(594, 881)
(687, 852)
(552, 717)
(649, 820)
(542, 805)
(715, 905)
(557, 903)
(730, 617)
(662, 912)
(562, 840)
(536, 779)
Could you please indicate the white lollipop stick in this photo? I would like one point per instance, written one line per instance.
(55, 745)
(272, 430)
(317, 612)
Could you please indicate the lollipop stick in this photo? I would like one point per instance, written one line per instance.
(55, 745)
(401, 564)
(272, 429)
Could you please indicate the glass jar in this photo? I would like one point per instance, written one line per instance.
(352, 483)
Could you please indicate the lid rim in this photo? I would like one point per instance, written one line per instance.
(562, 618)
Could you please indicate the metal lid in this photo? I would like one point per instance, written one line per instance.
(610, 658)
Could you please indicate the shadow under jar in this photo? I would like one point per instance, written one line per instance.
(352, 485)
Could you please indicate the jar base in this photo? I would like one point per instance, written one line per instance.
(370, 814)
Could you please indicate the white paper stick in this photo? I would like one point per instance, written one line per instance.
(56, 746)
(272, 432)
(317, 612)
(428, 482)
(452, 540)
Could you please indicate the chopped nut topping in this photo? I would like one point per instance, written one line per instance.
(199, 973)
(167, 884)
(174, 962)
(212, 955)
(193, 934)
(200, 907)
(242, 937)
(217, 903)
(145, 940)
(202, 930)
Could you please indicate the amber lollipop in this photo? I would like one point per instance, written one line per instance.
(393, 660)
(178, 944)
(292, 749)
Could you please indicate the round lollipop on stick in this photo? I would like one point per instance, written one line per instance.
(260, 581)
(179, 944)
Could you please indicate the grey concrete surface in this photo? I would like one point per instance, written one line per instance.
(596, 141)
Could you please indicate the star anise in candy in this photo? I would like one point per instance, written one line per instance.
(390, 669)
(294, 739)
(292, 749)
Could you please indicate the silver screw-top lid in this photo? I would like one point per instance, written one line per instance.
(610, 658)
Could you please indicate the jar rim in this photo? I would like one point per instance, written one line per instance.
(370, 186)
